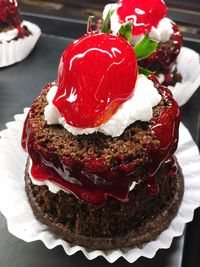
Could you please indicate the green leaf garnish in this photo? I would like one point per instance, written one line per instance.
(145, 48)
(126, 31)
(144, 71)
(106, 23)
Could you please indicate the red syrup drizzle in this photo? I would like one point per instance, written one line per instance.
(8, 11)
(74, 179)
(165, 56)
(79, 180)
(168, 77)
(152, 186)
(96, 74)
(165, 127)
(173, 167)
(90, 181)
(143, 14)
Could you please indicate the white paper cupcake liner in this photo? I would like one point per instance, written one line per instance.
(17, 50)
(188, 65)
(22, 223)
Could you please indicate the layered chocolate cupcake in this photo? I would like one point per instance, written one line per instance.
(17, 37)
(100, 140)
(150, 16)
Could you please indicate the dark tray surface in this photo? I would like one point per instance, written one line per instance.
(17, 253)
(19, 85)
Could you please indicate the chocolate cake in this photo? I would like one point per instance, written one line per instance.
(114, 225)
(140, 219)
(103, 190)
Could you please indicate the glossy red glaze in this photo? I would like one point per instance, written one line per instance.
(83, 179)
(91, 187)
(8, 11)
(143, 14)
(166, 128)
(96, 74)
(90, 180)
(163, 55)
(173, 166)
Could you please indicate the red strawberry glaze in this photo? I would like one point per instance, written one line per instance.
(8, 11)
(143, 14)
(90, 180)
(165, 56)
(165, 127)
(96, 74)
(72, 177)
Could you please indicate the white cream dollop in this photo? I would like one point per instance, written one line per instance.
(138, 107)
(161, 33)
(9, 35)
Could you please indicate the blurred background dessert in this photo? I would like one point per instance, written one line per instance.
(17, 36)
(65, 18)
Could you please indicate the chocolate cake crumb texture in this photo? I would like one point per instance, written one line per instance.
(58, 143)
(115, 224)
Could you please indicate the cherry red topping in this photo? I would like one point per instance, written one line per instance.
(143, 14)
(9, 11)
(96, 74)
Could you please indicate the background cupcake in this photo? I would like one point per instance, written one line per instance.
(150, 16)
(17, 37)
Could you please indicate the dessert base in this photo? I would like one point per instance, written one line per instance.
(115, 224)
(16, 50)
(22, 223)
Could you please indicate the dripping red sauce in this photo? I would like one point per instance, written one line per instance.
(92, 186)
(165, 127)
(9, 12)
(173, 166)
(88, 184)
(165, 56)
(168, 77)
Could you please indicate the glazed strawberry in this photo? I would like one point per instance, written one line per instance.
(143, 14)
(97, 73)
(8, 11)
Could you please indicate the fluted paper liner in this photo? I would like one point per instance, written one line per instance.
(188, 65)
(16, 50)
(22, 223)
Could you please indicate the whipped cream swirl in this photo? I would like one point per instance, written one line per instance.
(138, 107)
